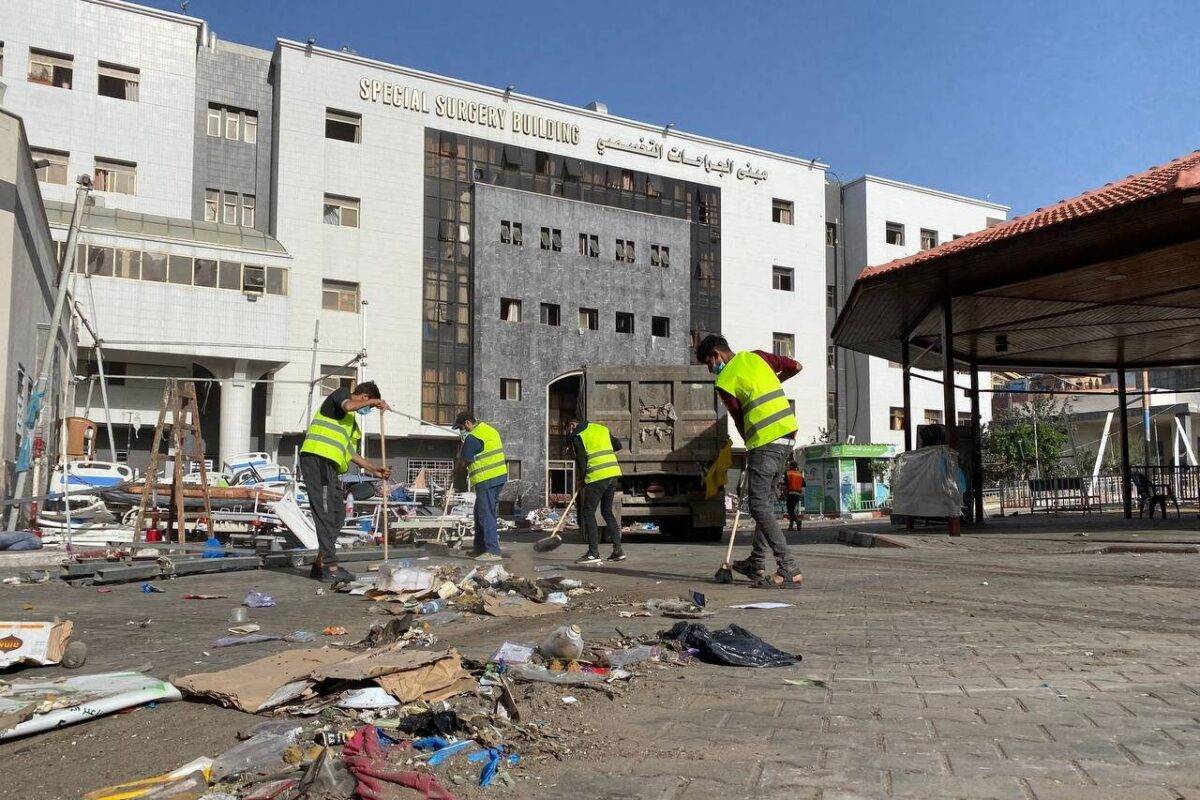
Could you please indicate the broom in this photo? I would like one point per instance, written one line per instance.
(725, 573)
(554, 539)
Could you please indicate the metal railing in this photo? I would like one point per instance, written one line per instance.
(1100, 493)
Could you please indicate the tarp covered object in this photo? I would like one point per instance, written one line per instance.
(925, 483)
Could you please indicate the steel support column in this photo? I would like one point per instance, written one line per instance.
(906, 369)
(1123, 413)
(949, 413)
(977, 463)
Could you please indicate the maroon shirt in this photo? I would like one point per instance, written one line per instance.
(783, 368)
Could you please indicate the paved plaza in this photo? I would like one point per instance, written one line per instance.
(1000, 665)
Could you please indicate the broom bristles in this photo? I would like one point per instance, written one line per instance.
(547, 544)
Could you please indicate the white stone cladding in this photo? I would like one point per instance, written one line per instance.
(871, 203)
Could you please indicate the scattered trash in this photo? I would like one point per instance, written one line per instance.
(367, 759)
(140, 623)
(569, 700)
(516, 606)
(251, 638)
(104, 590)
(189, 780)
(677, 609)
(257, 599)
(261, 754)
(239, 615)
(213, 548)
(512, 653)
(369, 697)
(431, 607)
(441, 618)
(36, 643)
(805, 682)
(550, 568)
(733, 645)
(320, 591)
(632, 655)
(244, 629)
(763, 605)
(149, 588)
(205, 596)
(300, 637)
(557, 597)
(394, 578)
(334, 630)
(564, 642)
(29, 707)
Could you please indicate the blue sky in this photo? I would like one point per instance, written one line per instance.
(1021, 102)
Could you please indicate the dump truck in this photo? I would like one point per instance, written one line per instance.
(673, 428)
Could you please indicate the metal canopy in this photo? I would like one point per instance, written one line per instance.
(1108, 279)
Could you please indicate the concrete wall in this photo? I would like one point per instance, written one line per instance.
(28, 278)
(234, 75)
(537, 354)
(155, 132)
(871, 203)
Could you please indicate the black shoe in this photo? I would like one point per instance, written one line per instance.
(335, 574)
(588, 559)
(618, 555)
(316, 572)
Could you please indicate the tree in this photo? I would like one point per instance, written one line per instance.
(1025, 441)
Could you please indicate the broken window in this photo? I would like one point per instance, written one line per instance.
(831, 234)
(510, 309)
(128, 264)
(118, 82)
(545, 238)
(115, 176)
(896, 418)
(154, 267)
(556, 240)
(229, 275)
(334, 377)
(894, 233)
(660, 255)
(277, 280)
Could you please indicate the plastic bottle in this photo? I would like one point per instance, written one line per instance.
(432, 606)
(632, 655)
(441, 618)
(260, 754)
(565, 642)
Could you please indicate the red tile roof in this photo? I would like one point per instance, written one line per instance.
(1180, 174)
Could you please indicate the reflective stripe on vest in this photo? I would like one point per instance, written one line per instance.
(332, 439)
(766, 415)
(490, 462)
(601, 457)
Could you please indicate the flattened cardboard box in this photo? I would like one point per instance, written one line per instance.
(38, 643)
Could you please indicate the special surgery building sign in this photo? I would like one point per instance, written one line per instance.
(469, 111)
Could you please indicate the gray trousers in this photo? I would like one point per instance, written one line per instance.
(326, 501)
(764, 465)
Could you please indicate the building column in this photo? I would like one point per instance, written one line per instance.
(976, 436)
(235, 411)
(1123, 412)
(906, 372)
(950, 414)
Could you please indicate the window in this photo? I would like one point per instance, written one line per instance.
(230, 208)
(831, 295)
(552, 239)
(831, 234)
(550, 314)
(589, 245)
(510, 309)
(933, 417)
(339, 296)
(117, 81)
(894, 233)
(128, 264)
(514, 469)
(660, 326)
(51, 69)
(277, 280)
(180, 270)
(624, 322)
(341, 211)
(589, 319)
(100, 261)
(831, 407)
(505, 232)
(964, 417)
(154, 267)
(1, 73)
(510, 389)
(896, 418)
(929, 239)
(660, 255)
(783, 344)
(545, 238)
(625, 251)
(237, 124)
(205, 273)
(334, 377)
(782, 211)
(115, 176)
(830, 356)
(229, 275)
(56, 171)
(783, 279)
(253, 280)
(248, 210)
(518, 237)
(343, 126)
(212, 204)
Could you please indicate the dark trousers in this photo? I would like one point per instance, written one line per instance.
(793, 506)
(764, 465)
(487, 504)
(599, 495)
(327, 502)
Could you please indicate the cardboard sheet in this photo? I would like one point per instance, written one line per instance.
(516, 606)
(38, 643)
(377, 663)
(440, 680)
(250, 686)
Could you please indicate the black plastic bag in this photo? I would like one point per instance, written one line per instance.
(733, 645)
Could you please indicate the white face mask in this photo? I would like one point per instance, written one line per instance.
(462, 434)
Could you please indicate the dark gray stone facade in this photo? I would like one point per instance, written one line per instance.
(238, 76)
(537, 354)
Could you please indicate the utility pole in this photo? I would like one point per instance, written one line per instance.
(46, 362)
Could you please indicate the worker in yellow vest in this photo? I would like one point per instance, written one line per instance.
(482, 452)
(330, 447)
(750, 385)
(597, 471)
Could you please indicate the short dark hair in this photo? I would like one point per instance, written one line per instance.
(369, 389)
(463, 418)
(709, 345)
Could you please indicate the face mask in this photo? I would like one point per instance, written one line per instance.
(716, 370)
(462, 435)
(364, 411)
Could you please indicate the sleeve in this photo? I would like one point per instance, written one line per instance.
(471, 447)
(332, 406)
(783, 366)
(618, 446)
(580, 454)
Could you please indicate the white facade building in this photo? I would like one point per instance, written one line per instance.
(349, 184)
(885, 220)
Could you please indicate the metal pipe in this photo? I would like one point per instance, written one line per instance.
(906, 368)
(951, 416)
(1123, 410)
(977, 461)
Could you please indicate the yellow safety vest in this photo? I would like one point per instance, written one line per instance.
(601, 457)
(490, 462)
(766, 415)
(333, 439)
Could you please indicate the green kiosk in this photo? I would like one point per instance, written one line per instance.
(847, 479)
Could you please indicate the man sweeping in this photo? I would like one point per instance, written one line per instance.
(596, 467)
(487, 471)
(330, 447)
(749, 384)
